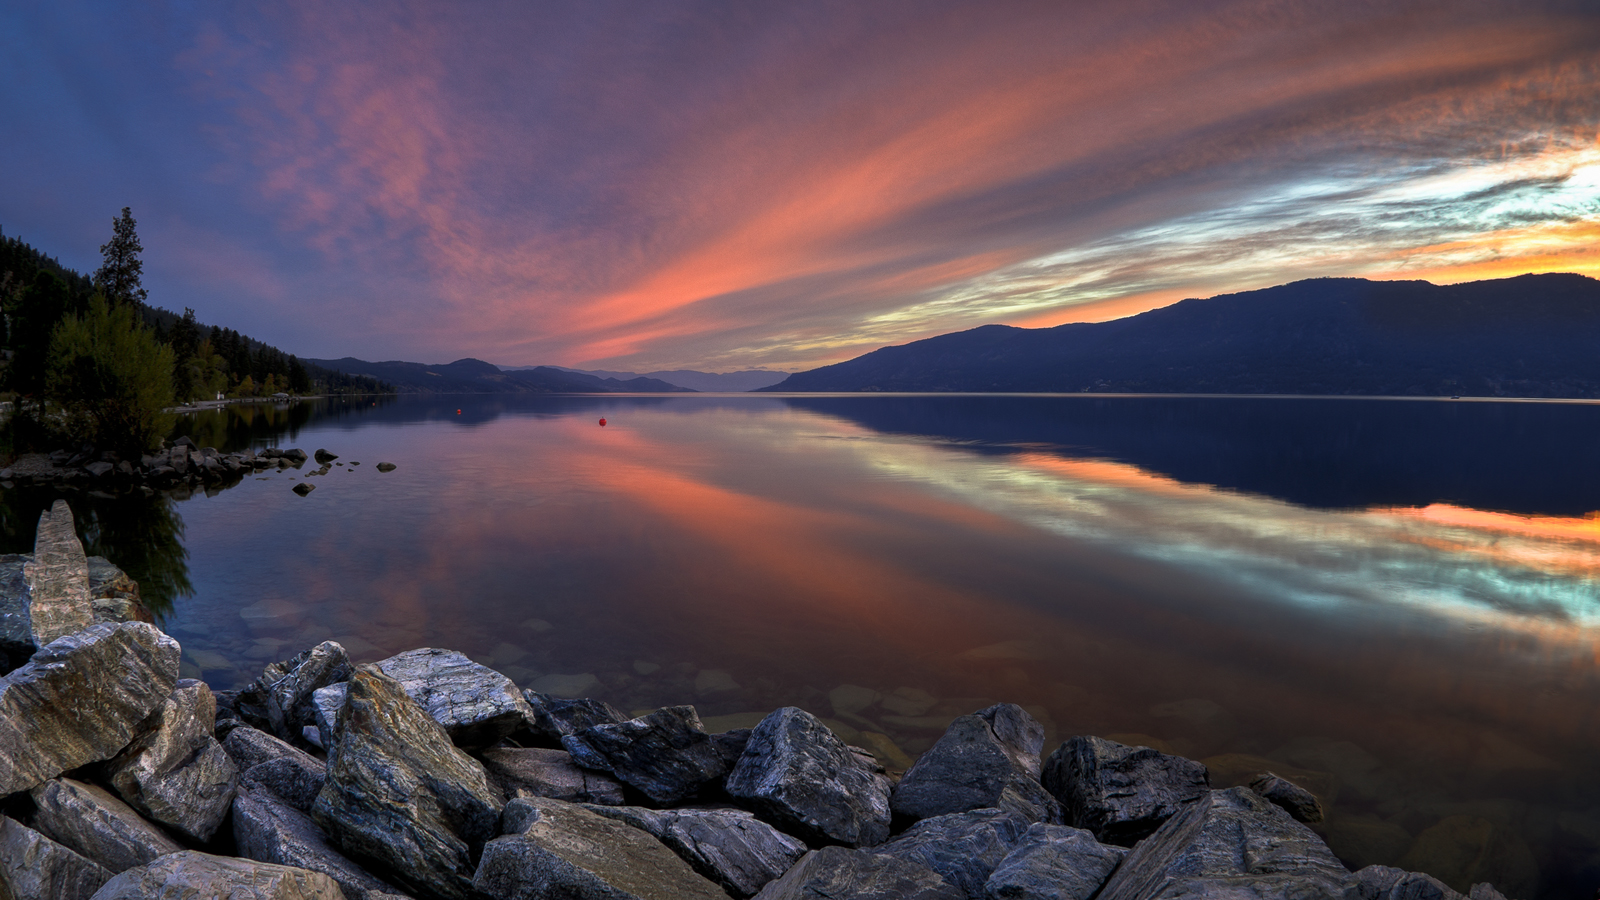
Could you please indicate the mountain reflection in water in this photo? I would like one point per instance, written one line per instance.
(1393, 602)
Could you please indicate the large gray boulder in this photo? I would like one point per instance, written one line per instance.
(541, 772)
(556, 717)
(289, 698)
(797, 775)
(33, 867)
(175, 772)
(561, 850)
(1121, 793)
(268, 829)
(58, 578)
(986, 760)
(400, 796)
(729, 846)
(198, 875)
(666, 755)
(96, 825)
(962, 847)
(834, 873)
(1054, 862)
(476, 705)
(61, 710)
(1231, 843)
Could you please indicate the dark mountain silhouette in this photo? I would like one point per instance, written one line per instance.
(474, 376)
(1529, 336)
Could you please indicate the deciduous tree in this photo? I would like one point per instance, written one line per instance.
(112, 378)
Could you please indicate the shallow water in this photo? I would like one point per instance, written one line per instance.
(1392, 601)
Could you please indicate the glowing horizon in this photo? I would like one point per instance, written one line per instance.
(713, 187)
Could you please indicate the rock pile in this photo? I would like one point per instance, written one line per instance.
(431, 776)
(175, 464)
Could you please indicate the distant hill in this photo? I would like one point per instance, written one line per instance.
(1529, 336)
(747, 380)
(474, 376)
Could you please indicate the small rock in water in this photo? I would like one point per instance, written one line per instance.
(324, 457)
(304, 488)
(386, 467)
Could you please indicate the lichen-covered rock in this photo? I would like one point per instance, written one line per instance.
(566, 851)
(58, 578)
(541, 772)
(1121, 793)
(400, 795)
(289, 698)
(1295, 800)
(33, 867)
(834, 872)
(268, 829)
(556, 717)
(1054, 862)
(667, 754)
(797, 775)
(476, 705)
(175, 772)
(729, 846)
(1230, 843)
(962, 847)
(195, 874)
(59, 711)
(96, 825)
(986, 760)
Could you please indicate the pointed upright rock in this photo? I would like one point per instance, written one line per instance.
(987, 759)
(58, 578)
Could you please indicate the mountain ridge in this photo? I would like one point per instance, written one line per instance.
(474, 376)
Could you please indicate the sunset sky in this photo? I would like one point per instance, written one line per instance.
(711, 185)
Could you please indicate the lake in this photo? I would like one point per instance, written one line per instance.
(1391, 601)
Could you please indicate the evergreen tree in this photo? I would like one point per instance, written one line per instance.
(185, 342)
(112, 377)
(39, 308)
(118, 277)
(299, 378)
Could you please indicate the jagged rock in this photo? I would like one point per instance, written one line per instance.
(729, 846)
(195, 874)
(1295, 800)
(566, 851)
(400, 795)
(476, 705)
(96, 825)
(297, 778)
(541, 772)
(289, 698)
(33, 867)
(303, 488)
(1120, 793)
(175, 772)
(730, 744)
(988, 759)
(323, 456)
(834, 872)
(16, 625)
(1230, 843)
(667, 754)
(1386, 883)
(250, 747)
(268, 829)
(113, 595)
(1054, 862)
(963, 847)
(555, 717)
(796, 774)
(325, 705)
(57, 712)
(58, 578)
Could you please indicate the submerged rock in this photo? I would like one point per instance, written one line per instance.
(988, 759)
(33, 867)
(796, 774)
(561, 850)
(399, 793)
(541, 772)
(476, 705)
(667, 754)
(1121, 793)
(964, 847)
(835, 872)
(1054, 862)
(175, 772)
(195, 874)
(96, 825)
(58, 712)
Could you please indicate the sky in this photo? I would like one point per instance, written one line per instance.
(727, 185)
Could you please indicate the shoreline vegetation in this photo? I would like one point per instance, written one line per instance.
(432, 776)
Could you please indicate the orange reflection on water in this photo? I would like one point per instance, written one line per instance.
(1558, 545)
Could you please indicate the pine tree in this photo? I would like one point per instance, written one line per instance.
(185, 341)
(118, 277)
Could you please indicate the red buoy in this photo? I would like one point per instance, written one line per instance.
(602, 423)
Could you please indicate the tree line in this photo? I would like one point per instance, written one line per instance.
(87, 357)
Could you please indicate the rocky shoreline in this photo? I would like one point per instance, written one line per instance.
(177, 466)
(429, 775)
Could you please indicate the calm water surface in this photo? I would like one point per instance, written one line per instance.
(1393, 602)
